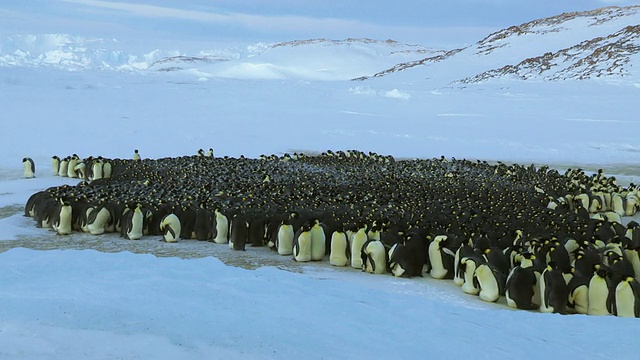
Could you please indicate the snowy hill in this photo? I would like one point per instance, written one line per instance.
(577, 45)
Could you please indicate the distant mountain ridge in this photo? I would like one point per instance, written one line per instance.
(602, 43)
(598, 43)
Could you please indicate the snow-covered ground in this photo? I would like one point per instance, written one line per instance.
(79, 90)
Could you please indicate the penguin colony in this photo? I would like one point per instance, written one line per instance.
(543, 240)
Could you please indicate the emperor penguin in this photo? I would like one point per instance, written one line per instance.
(29, 168)
(63, 168)
(468, 266)
(220, 228)
(302, 244)
(96, 169)
(441, 258)
(521, 283)
(284, 238)
(374, 257)
(579, 293)
(210, 153)
(203, 225)
(106, 170)
(318, 241)
(491, 282)
(239, 232)
(98, 219)
(71, 166)
(339, 255)
(134, 221)
(136, 155)
(170, 227)
(463, 251)
(55, 165)
(62, 221)
(81, 170)
(357, 242)
(554, 292)
(600, 292)
(627, 298)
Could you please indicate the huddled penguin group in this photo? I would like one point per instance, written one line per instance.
(540, 239)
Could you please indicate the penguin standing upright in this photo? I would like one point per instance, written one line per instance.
(302, 244)
(136, 155)
(357, 242)
(239, 232)
(63, 168)
(170, 227)
(441, 258)
(284, 238)
(554, 292)
(61, 222)
(468, 266)
(29, 168)
(491, 282)
(578, 288)
(521, 283)
(96, 169)
(106, 170)
(220, 228)
(318, 241)
(203, 224)
(627, 298)
(600, 292)
(134, 220)
(71, 166)
(55, 165)
(339, 255)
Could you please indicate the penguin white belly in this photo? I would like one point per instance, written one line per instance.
(625, 300)
(55, 165)
(631, 206)
(544, 307)
(171, 228)
(489, 290)
(338, 254)
(285, 239)
(438, 271)
(28, 169)
(135, 232)
(359, 239)
(222, 229)
(598, 294)
(468, 287)
(99, 224)
(62, 170)
(106, 170)
(71, 172)
(318, 244)
(64, 226)
(376, 261)
(96, 169)
(634, 258)
(302, 248)
(580, 299)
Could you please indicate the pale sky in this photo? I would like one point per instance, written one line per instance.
(433, 23)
